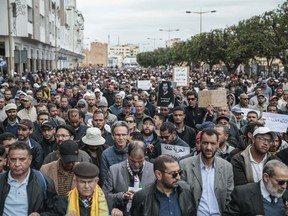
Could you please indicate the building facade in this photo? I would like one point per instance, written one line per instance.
(96, 56)
(44, 35)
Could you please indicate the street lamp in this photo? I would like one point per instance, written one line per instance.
(169, 30)
(154, 39)
(200, 13)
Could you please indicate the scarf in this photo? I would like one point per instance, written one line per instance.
(98, 207)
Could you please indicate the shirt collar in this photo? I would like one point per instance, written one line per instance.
(202, 165)
(11, 179)
(252, 159)
(265, 193)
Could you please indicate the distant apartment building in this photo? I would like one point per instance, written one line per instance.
(171, 42)
(96, 56)
(44, 35)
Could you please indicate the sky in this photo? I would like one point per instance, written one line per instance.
(133, 21)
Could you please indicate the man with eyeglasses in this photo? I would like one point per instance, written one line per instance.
(65, 132)
(267, 197)
(210, 177)
(168, 195)
(243, 102)
(127, 177)
(248, 165)
(116, 153)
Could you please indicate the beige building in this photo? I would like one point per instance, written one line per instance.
(128, 50)
(97, 55)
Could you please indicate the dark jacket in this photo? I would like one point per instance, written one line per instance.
(151, 108)
(194, 116)
(48, 146)
(156, 141)
(145, 202)
(37, 154)
(36, 196)
(188, 135)
(9, 128)
(247, 200)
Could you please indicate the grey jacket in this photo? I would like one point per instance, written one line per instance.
(223, 184)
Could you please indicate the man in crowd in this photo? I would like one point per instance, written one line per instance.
(185, 132)
(2, 109)
(48, 142)
(116, 107)
(109, 117)
(74, 121)
(210, 177)
(261, 105)
(224, 147)
(87, 198)
(127, 177)
(10, 124)
(116, 153)
(248, 165)
(168, 195)
(29, 111)
(91, 100)
(266, 197)
(60, 171)
(243, 101)
(24, 131)
(24, 191)
(144, 96)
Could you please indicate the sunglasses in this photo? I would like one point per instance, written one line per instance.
(281, 182)
(173, 174)
(191, 99)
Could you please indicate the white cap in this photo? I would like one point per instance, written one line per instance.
(263, 130)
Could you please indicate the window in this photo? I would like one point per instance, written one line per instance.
(42, 21)
(30, 14)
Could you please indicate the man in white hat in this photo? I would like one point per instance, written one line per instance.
(11, 122)
(94, 144)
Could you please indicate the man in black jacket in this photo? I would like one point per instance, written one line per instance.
(35, 192)
(167, 195)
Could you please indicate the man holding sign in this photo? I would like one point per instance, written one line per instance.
(172, 144)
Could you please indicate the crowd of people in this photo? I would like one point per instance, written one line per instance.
(90, 142)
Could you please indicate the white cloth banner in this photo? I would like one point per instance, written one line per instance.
(175, 150)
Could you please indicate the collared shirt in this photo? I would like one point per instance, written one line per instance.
(257, 168)
(265, 193)
(65, 179)
(16, 202)
(208, 205)
(168, 205)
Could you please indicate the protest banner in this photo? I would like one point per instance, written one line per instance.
(144, 84)
(165, 95)
(212, 97)
(181, 76)
(175, 150)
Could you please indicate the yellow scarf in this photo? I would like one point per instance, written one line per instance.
(98, 207)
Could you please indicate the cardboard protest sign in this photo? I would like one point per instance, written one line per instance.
(175, 150)
(212, 97)
(144, 84)
(181, 76)
(165, 95)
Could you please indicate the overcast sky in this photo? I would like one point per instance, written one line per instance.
(133, 21)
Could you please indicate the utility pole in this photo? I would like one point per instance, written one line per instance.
(11, 63)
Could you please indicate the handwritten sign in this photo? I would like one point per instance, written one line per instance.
(181, 76)
(275, 122)
(144, 84)
(212, 97)
(175, 150)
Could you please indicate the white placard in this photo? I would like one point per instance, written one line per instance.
(175, 150)
(144, 84)
(275, 122)
(181, 76)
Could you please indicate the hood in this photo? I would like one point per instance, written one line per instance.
(86, 104)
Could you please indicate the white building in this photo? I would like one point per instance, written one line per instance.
(45, 34)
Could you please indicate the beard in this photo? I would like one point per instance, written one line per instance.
(273, 191)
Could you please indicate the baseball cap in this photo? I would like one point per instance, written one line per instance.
(260, 95)
(204, 125)
(237, 110)
(222, 117)
(10, 106)
(28, 98)
(48, 123)
(148, 118)
(68, 128)
(102, 104)
(69, 151)
(273, 97)
(263, 130)
(126, 103)
(26, 123)
(81, 104)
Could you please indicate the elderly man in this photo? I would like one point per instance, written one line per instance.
(29, 111)
(266, 197)
(87, 198)
(127, 177)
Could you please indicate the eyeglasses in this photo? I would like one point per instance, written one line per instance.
(192, 99)
(165, 137)
(262, 139)
(281, 182)
(173, 174)
(61, 135)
